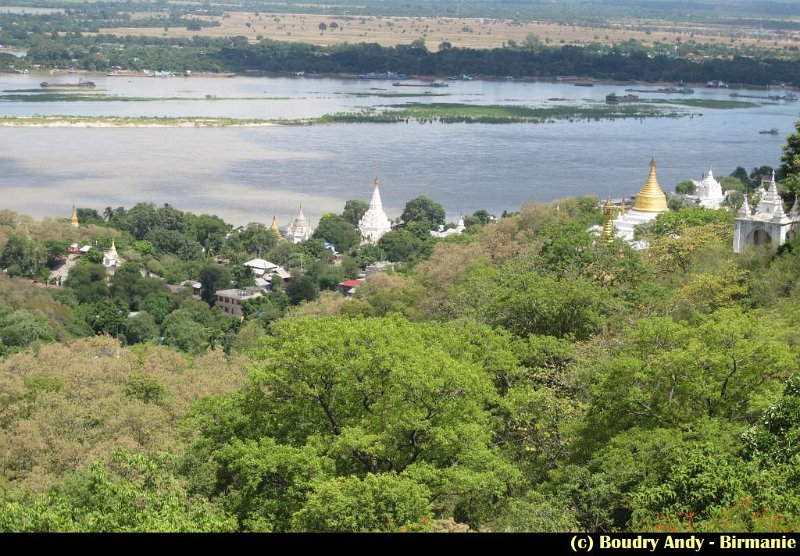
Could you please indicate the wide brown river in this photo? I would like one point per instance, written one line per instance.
(250, 173)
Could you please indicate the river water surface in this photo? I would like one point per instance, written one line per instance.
(250, 173)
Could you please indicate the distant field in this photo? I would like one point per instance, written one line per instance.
(459, 32)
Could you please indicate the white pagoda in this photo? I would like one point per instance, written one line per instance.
(708, 192)
(769, 224)
(648, 204)
(300, 228)
(441, 232)
(111, 257)
(374, 224)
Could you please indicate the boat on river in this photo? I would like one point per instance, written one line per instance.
(435, 84)
(683, 90)
(773, 131)
(82, 83)
(613, 98)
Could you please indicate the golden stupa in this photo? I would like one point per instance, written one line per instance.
(274, 227)
(73, 220)
(651, 197)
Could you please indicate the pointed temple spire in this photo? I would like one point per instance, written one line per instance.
(300, 228)
(73, 220)
(375, 201)
(651, 197)
(374, 224)
(744, 210)
(274, 228)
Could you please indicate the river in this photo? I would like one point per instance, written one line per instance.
(248, 174)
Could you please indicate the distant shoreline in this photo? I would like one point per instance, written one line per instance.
(112, 122)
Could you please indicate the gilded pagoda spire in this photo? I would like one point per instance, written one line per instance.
(274, 227)
(651, 197)
(609, 211)
(73, 220)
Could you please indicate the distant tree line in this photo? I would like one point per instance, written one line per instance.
(625, 62)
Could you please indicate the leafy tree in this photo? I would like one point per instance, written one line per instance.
(403, 246)
(23, 257)
(129, 284)
(535, 513)
(686, 187)
(671, 373)
(790, 162)
(242, 276)
(376, 503)
(375, 396)
(129, 493)
(173, 242)
(526, 302)
(158, 305)
(367, 254)
(301, 288)
(140, 220)
(775, 436)
(109, 316)
(141, 328)
(214, 277)
(88, 282)
(424, 211)
(210, 232)
(93, 255)
(742, 175)
(354, 210)
(87, 216)
(21, 328)
(257, 239)
(730, 183)
(182, 331)
(338, 231)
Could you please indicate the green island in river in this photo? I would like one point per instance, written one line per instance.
(439, 112)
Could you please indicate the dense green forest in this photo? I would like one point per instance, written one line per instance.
(628, 61)
(525, 375)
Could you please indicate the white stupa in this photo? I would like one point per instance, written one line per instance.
(374, 224)
(110, 257)
(300, 228)
(708, 192)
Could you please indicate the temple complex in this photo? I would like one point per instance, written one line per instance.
(649, 203)
(768, 224)
(708, 192)
(300, 228)
(374, 224)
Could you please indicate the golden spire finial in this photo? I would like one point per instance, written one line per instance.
(113, 246)
(73, 220)
(651, 197)
(274, 228)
